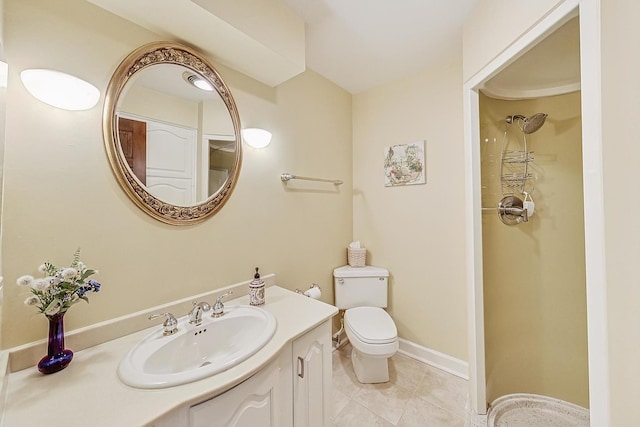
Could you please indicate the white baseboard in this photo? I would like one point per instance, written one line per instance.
(447, 363)
(434, 358)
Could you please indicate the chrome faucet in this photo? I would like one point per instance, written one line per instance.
(170, 324)
(218, 307)
(195, 315)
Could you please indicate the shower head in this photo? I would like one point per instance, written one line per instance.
(528, 124)
(533, 123)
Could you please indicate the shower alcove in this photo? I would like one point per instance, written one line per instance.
(534, 272)
(530, 277)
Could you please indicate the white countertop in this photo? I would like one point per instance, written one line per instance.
(89, 393)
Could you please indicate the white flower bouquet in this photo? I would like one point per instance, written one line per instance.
(61, 287)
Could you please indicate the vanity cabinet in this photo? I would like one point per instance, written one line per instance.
(294, 390)
(312, 378)
(264, 400)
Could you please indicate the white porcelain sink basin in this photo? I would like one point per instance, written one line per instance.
(197, 352)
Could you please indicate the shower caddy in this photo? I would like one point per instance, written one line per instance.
(515, 174)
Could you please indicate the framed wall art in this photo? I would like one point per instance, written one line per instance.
(404, 164)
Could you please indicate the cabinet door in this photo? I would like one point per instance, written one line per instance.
(312, 378)
(263, 400)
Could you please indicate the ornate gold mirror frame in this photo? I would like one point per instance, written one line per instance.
(142, 58)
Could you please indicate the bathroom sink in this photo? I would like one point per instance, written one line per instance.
(196, 352)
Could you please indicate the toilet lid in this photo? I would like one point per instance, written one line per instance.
(371, 325)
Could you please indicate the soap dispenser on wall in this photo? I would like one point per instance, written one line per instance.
(256, 290)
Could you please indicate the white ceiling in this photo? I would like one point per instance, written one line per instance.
(359, 44)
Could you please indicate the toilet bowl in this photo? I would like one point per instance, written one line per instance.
(362, 293)
(374, 338)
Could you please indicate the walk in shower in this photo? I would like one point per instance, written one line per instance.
(533, 360)
(533, 262)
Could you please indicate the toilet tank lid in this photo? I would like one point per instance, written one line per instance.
(367, 271)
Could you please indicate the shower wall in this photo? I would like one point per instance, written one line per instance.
(534, 272)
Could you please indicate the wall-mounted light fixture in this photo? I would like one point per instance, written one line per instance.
(256, 138)
(4, 71)
(60, 90)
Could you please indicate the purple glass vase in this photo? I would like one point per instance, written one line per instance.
(57, 357)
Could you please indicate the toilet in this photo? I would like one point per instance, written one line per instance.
(362, 293)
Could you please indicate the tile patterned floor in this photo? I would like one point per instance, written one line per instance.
(416, 395)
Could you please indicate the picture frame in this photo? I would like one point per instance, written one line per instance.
(404, 164)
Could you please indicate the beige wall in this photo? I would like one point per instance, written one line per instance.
(621, 151)
(494, 24)
(151, 104)
(217, 120)
(60, 192)
(534, 272)
(417, 231)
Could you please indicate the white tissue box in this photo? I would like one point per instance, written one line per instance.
(356, 257)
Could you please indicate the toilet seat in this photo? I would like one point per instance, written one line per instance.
(371, 331)
(372, 325)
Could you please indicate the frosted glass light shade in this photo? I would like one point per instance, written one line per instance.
(59, 89)
(256, 138)
(4, 71)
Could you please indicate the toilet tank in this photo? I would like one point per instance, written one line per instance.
(360, 287)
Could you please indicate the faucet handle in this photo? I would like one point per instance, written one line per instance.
(218, 307)
(170, 323)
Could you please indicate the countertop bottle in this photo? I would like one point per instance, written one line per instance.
(256, 290)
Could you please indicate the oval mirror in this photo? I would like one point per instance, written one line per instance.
(172, 133)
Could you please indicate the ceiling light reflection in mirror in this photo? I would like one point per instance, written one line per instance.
(197, 81)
